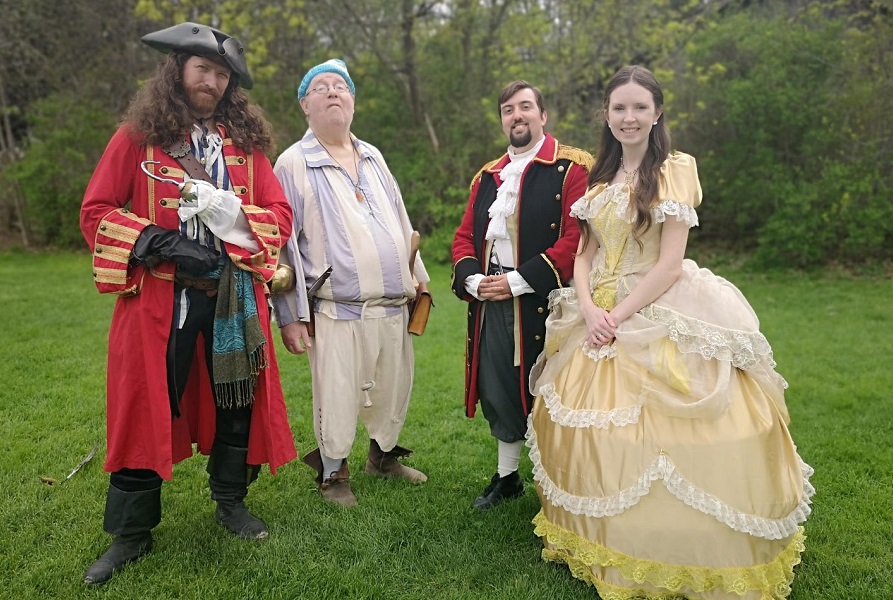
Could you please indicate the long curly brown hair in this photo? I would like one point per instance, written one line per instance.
(610, 151)
(159, 113)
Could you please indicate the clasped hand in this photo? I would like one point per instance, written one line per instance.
(600, 325)
(495, 287)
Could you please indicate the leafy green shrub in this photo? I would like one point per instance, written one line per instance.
(68, 135)
(791, 138)
(799, 233)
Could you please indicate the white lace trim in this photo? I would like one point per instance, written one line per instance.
(744, 349)
(682, 212)
(568, 294)
(663, 470)
(599, 353)
(581, 419)
(506, 200)
(587, 208)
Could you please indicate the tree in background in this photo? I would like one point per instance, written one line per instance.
(66, 72)
(785, 103)
(789, 129)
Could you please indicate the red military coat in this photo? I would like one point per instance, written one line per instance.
(545, 245)
(119, 202)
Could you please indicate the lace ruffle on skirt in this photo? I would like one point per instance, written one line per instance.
(771, 581)
(701, 319)
(663, 470)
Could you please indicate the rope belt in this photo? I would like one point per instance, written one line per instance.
(368, 382)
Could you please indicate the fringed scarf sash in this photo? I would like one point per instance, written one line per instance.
(239, 350)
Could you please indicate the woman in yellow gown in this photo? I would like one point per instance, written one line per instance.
(659, 439)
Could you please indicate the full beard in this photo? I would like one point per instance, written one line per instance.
(202, 104)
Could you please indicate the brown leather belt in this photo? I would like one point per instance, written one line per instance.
(198, 283)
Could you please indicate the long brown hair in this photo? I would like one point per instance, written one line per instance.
(159, 113)
(610, 151)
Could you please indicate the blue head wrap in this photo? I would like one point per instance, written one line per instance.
(335, 65)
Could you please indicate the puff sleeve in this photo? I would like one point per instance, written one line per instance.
(680, 190)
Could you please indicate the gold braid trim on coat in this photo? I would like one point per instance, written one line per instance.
(479, 173)
(581, 157)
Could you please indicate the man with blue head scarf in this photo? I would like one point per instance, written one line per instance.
(348, 216)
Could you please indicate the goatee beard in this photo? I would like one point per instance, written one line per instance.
(520, 140)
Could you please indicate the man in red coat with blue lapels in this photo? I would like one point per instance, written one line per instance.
(516, 244)
(190, 352)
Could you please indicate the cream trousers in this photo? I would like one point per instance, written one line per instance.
(361, 368)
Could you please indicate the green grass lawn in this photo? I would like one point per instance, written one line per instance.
(832, 341)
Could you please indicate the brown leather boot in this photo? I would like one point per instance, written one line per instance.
(385, 464)
(336, 487)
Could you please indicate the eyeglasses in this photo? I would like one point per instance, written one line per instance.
(322, 88)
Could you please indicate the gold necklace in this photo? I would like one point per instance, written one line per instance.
(630, 176)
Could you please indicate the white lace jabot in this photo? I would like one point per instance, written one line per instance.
(507, 194)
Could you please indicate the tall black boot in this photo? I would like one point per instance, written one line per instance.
(230, 476)
(130, 516)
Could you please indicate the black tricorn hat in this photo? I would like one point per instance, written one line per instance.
(192, 38)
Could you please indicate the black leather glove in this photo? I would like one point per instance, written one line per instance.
(191, 257)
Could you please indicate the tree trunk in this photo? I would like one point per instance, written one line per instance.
(11, 206)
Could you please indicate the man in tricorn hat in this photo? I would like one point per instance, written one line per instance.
(190, 353)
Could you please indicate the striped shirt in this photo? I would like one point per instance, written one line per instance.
(193, 228)
(361, 230)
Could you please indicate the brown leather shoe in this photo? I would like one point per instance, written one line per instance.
(385, 464)
(337, 488)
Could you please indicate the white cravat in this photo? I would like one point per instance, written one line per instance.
(507, 195)
(503, 207)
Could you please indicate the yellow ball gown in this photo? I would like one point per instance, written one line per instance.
(663, 460)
